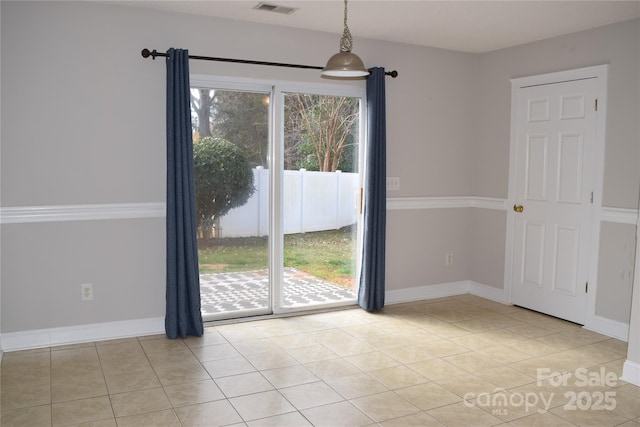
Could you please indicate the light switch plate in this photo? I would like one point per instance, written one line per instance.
(393, 183)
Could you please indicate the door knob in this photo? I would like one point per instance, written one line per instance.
(518, 208)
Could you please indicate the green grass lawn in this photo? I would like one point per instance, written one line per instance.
(325, 254)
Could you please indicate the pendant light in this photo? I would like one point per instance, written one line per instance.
(345, 64)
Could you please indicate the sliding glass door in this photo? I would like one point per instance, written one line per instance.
(320, 199)
(278, 196)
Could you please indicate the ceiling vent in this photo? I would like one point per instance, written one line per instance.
(268, 7)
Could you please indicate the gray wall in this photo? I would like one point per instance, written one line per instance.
(417, 243)
(46, 264)
(615, 273)
(488, 238)
(83, 123)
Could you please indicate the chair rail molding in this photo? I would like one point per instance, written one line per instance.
(619, 215)
(88, 212)
(107, 211)
(445, 202)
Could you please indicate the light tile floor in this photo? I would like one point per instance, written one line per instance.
(459, 361)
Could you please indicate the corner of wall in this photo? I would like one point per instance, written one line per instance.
(631, 372)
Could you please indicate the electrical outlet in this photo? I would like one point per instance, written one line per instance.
(393, 183)
(448, 259)
(86, 291)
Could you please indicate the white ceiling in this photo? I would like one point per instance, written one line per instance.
(467, 26)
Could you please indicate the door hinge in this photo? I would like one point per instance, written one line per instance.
(595, 106)
(586, 287)
(591, 197)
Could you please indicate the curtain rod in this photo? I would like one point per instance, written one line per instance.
(154, 53)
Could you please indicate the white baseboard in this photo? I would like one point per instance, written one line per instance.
(40, 338)
(487, 292)
(25, 340)
(428, 292)
(631, 372)
(608, 327)
(133, 328)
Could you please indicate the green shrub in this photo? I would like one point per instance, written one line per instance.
(224, 179)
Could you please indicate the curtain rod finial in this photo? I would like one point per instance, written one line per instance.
(146, 53)
(393, 74)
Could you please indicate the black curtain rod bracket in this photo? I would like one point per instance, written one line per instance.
(146, 53)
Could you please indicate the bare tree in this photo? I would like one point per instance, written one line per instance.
(328, 121)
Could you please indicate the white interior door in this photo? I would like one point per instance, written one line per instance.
(555, 143)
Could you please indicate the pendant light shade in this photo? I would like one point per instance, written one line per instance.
(345, 64)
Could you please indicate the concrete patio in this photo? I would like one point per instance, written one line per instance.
(222, 293)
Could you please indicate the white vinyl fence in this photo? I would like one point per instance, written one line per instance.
(313, 201)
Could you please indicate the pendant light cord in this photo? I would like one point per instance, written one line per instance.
(346, 42)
